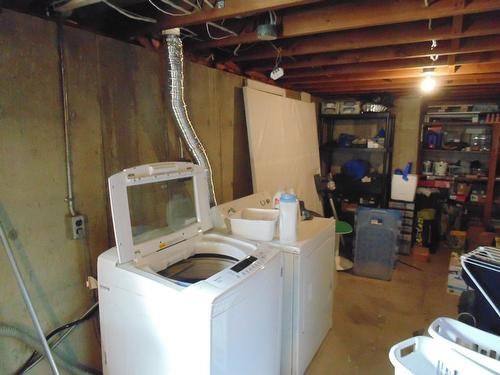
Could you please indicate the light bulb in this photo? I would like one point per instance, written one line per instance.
(428, 84)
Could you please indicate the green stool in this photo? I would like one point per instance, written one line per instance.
(341, 228)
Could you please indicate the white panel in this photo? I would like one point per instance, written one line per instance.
(283, 143)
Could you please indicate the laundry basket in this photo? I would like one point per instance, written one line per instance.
(424, 356)
(480, 346)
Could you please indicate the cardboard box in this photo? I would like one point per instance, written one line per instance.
(456, 285)
(330, 108)
(456, 241)
(421, 254)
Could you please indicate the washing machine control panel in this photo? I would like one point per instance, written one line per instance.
(240, 270)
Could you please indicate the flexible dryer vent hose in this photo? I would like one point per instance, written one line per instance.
(26, 338)
(176, 89)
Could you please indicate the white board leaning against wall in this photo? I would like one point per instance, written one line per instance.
(283, 143)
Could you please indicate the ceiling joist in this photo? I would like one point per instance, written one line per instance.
(405, 51)
(479, 25)
(231, 9)
(359, 14)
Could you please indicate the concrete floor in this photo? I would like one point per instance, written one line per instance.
(369, 316)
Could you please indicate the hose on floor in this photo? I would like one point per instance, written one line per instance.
(68, 327)
(29, 340)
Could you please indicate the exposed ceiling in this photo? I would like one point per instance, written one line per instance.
(325, 47)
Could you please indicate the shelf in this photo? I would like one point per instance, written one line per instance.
(475, 204)
(459, 124)
(435, 150)
(362, 116)
(456, 178)
(353, 149)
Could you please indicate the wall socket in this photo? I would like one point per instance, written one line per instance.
(77, 227)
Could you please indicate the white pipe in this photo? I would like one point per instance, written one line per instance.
(27, 300)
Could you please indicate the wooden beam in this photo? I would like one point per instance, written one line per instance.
(457, 28)
(232, 8)
(389, 81)
(379, 66)
(405, 51)
(413, 32)
(381, 85)
(394, 74)
(360, 14)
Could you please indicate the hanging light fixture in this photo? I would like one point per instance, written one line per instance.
(428, 84)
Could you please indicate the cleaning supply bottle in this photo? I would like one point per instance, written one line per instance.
(288, 218)
(276, 199)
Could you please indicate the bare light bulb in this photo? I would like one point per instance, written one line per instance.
(428, 84)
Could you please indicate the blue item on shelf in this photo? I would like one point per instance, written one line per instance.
(405, 172)
(356, 169)
(376, 242)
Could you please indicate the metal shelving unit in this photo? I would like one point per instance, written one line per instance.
(488, 157)
(331, 152)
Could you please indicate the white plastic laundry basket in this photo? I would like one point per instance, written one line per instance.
(402, 190)
(425, 356)
(477, 345)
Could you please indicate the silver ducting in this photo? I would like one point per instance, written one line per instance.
(176, 89)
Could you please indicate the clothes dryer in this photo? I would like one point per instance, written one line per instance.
(308, 282)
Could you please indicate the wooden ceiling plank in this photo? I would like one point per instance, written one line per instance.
(457, 28)
(412, 32)
(408, 85)
(232, 8)
(394, 81)
(416, 72)
(361, 14)
(380, 66)
(444, 48)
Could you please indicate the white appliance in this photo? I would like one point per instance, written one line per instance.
(307, 283)
(174, 300)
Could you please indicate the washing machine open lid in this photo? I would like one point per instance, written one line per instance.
(155, 206)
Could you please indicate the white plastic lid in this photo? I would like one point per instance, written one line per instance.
(155, 206)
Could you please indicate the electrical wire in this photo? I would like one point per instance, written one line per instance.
(37, 357)
(230, 32)
(129, 14)
(175, 6)
(164, 11)
(62, 360)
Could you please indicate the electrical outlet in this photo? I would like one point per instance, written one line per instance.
(77, 225)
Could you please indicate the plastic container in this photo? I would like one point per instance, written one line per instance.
(256, 224)
(479, 346)
(423, 356)
(402, 190)
(289, 208)
(376, 242)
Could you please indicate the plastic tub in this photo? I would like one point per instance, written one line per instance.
(423, 356)
(402, 190)
(256, 224)
(480, 346)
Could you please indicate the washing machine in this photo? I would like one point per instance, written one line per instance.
(308, 282)
(176, 299)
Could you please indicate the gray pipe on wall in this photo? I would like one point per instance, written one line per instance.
(174, 56)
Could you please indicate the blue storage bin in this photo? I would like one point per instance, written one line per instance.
(376, 242)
